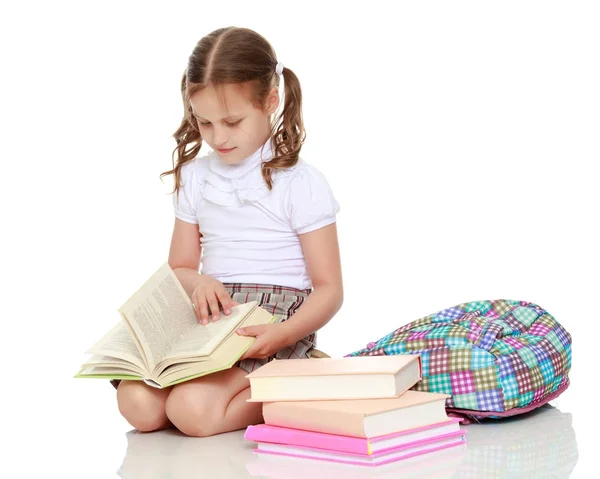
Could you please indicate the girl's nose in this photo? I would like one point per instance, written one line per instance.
(219, 137)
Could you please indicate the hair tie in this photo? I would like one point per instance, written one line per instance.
(279, 68)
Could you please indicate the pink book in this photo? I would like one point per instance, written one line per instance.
(264, 433)
(399, 453)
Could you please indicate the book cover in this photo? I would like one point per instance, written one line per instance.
(366, 418)
(335, 378)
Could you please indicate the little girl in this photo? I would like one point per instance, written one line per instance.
(262, 219)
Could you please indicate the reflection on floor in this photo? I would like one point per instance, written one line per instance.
(541, 444)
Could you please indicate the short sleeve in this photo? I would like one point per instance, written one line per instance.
(184, 204)
(310, 203)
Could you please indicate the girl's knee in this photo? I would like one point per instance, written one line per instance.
(142, 406)
(191, 412)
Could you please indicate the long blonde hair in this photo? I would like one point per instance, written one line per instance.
(240, 55)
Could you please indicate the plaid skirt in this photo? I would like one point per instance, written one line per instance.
(277, 300)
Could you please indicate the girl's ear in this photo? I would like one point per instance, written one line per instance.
(272, 101)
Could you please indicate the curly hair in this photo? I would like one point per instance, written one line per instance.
(240, 55)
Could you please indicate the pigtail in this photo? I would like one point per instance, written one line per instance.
(187, 134)
(288, 134)
(239, 56)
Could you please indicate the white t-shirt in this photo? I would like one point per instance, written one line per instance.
(250, 233)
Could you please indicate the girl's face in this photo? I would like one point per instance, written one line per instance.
(229, 122)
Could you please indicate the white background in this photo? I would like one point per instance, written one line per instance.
(460, 138)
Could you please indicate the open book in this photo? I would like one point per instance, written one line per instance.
(160, 341)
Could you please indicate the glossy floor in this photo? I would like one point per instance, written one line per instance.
(542, 444)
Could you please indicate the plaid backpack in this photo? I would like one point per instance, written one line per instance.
(495, 358)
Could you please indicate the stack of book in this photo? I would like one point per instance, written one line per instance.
(354, 410)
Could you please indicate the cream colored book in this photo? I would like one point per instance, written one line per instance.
(365, 418)
(160, 341)
(358, 377)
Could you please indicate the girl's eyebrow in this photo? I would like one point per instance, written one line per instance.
(230, 117)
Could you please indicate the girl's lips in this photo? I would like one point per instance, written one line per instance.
(225, 151)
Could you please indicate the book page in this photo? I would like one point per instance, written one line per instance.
(223, 357)
(160, 313)
(108, 372)
(111, 362)
(203, 339)
(119, 343)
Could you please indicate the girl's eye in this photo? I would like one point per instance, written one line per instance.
(227, 123)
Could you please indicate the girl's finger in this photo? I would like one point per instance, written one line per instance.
(203, 309)
(213, 304)
(225, 300)
(248, 354)
(195, 305)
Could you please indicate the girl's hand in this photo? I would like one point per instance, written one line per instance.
(207, 295)
(270, 338)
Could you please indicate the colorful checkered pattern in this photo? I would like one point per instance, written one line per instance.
(491, 356)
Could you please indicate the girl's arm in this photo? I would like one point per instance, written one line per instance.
(322, 255)
(208, 295)
(184, 254)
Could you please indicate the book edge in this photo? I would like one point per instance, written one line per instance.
(393, 372)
